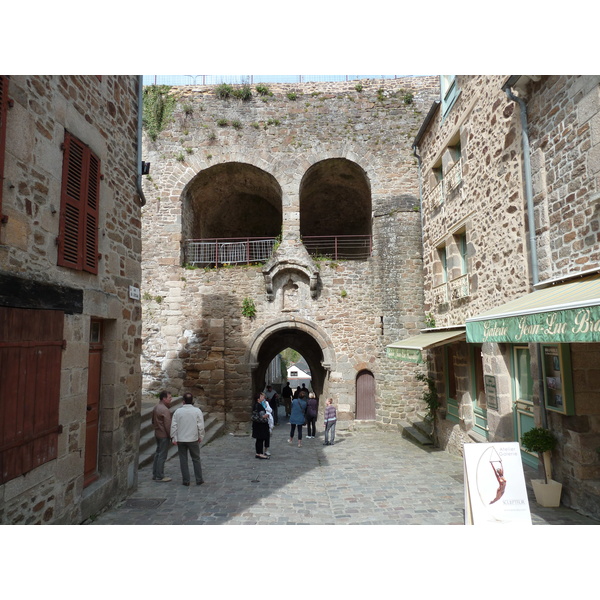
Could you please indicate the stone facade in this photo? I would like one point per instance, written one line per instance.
(288, 155)
(477, 245)
(100, 112)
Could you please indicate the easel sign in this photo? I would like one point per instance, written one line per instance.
(495, 492)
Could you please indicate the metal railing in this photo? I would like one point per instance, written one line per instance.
(175, 80)
(228, 251)
(234, 251)
(348, 247)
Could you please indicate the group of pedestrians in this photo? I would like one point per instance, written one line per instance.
(303, 410)
(184, 429)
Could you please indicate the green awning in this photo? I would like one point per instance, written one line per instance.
(564, 313)
(411, 349)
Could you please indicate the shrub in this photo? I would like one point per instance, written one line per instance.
(224, 90)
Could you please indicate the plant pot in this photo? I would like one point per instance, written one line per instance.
(547, 494)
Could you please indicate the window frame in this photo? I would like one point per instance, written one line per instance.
(449, 92)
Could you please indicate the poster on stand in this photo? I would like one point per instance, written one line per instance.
(495, 491)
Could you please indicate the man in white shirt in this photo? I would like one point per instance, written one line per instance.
(187, 431)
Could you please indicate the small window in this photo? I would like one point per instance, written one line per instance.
(78, 235)
(442, 257)
(461, 243)
(449, 92)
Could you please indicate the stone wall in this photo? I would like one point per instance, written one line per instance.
(195, 336)
(102, 113)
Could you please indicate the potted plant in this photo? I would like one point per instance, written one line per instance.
(543, 441)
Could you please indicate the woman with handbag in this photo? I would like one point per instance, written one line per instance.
(312, 410)
(297, 418)
(260, 426)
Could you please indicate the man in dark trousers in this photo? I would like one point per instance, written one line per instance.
(187, 431)
(286, 394)
(161, 421)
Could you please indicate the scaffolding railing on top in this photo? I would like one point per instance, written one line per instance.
(228, 251)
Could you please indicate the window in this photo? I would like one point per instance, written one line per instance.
(448, 91)
(461, 242)
(452, 413)
(3, 112)
(444, 264)
(31, 345)
(78, 235)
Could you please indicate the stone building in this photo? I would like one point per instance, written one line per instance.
(70, 314)
(510, 190)
(284, 216)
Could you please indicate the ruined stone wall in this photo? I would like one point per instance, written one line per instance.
(195, 336)
(102, 113)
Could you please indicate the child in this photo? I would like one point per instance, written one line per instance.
(330, 420)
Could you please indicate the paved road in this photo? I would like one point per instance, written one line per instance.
(368, 477)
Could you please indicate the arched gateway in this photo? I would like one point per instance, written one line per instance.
(301, 335)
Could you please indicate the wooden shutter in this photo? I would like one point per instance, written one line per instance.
(3, 112)
(78, 236)
(31, 344)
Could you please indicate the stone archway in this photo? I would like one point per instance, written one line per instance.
(299, 334)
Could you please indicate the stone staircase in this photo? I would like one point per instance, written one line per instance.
(418, 429)
(212, 426)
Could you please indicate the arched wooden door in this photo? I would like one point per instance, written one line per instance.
(365, 396)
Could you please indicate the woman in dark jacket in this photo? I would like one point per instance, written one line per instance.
(260, 426)
(297, 418)
(312, 410)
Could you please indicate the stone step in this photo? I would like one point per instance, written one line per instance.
(411, 432)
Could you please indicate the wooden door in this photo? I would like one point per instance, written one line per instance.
(92, 419)
(365, 396)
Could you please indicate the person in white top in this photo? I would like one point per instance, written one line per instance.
(187, 432)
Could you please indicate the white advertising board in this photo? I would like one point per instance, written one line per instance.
(495, 491)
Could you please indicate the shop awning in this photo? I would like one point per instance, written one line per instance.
(411, 348)
(567, 313)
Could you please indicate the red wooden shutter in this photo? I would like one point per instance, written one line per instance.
(31, 346)
(3, 111)
(78, 236)
(91, 216)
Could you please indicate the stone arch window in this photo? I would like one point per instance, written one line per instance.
(335, 209)
(232, 202)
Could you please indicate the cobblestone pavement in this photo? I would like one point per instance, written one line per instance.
(368, 477)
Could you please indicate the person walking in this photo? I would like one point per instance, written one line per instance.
(187, 431)
(273, 400)
(330, 421)
(161, 421)
(297, 419)
(312, 410)
(286, 394)
(260, 426)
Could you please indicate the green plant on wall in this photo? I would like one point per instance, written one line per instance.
(430, 397)
(248, 308)
(158, 106)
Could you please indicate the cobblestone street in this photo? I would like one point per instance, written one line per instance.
(368, 477)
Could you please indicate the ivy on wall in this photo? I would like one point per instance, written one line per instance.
(157, 110)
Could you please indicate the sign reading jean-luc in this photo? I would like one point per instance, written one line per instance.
(495, 492)
(571, 325)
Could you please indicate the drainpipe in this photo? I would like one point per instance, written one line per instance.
(140, 191)
(531, 222)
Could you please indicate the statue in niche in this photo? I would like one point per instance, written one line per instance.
(290, 296)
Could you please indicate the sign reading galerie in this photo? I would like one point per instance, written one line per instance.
(570, 325)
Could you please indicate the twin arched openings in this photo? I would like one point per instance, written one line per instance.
(235, 201)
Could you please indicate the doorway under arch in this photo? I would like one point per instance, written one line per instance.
(302, 336)
(365, 396)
